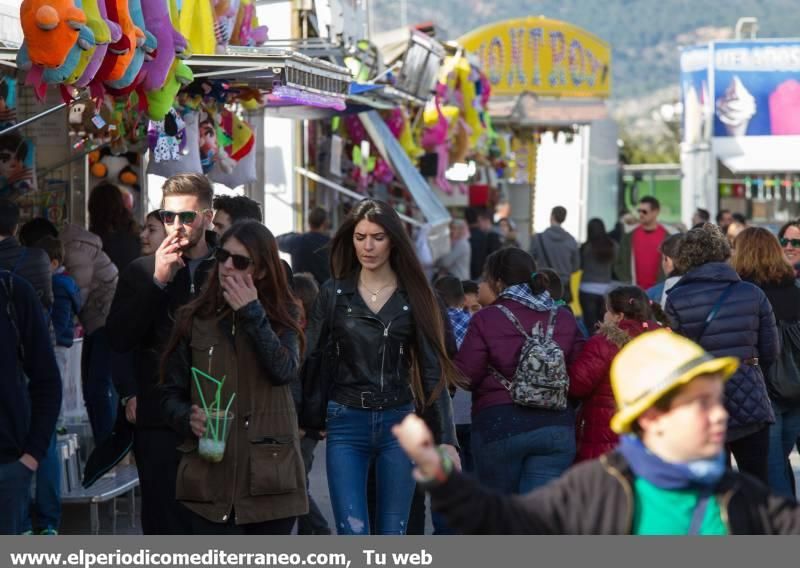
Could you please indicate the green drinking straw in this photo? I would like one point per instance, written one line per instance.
(214, 426)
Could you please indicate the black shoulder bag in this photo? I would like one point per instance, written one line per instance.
(714, 311)
(317, 376)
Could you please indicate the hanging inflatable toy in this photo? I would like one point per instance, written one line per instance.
(159, 101)
(196, 23)
(114, 34)
(170, 42)
(51, 29)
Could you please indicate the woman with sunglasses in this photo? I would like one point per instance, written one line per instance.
(383, 318)
(759, 259)
(243, 331)
(789, 237)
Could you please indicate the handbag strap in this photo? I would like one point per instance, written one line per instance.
(714, 311)
(513, 319)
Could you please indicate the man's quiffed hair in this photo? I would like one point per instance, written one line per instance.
(651, 201)
(53, 247)
(190, 184)
(9, 217)
(238, 207)
(559, 214)
(317, 217)
(450, 290)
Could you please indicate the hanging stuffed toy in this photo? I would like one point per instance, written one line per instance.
(109, 30)
(170, 43)
(51, 30)
(159, 101)
(241, 136)
(196, 23)
(246, 31)
(145, 50)
(85, 44)
(434, 140)
(167, 138)
(188, 159)
(102, 37)
(213, 141)
(120, 54)
(225, 12)
(85, 122)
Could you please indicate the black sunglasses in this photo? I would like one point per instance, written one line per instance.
(185, 217)
(643, 211)
(240, 262)
(794, 242)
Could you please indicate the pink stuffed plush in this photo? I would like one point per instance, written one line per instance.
(434, 139)
(170, 43)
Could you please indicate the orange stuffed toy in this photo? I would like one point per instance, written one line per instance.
(120, 54)
(51, 29)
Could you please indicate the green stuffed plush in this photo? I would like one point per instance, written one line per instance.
(159, 101)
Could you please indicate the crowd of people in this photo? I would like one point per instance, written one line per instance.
(230, 366)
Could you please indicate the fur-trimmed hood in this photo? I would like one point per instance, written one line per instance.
(621, 333)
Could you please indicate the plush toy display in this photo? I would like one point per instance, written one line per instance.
(85, 44)
(225, 12)
(122, 169)
(120, 54)
(246, 30)
(100, 51)
(159, 101)
(188, 158)
(239, 133)
(196, 23)
(170, 43)
(434, 139)
(85, 122)
(134, 73)
(102, 37)
(51, 30)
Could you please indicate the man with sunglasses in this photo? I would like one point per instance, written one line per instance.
(150, 291)
(639, 258)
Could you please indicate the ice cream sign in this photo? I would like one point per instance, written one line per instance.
(541, 56)
(756, 88)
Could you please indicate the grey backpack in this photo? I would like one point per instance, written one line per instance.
(540, 380)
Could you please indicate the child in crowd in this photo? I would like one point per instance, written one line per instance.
(669, 250)
(668, 476)
(306, 290)
(451, 292)
(471, 303)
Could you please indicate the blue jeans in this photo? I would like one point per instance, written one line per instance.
(782, 436)
(98, 391)
(355, 438)
(47, 500)
(523, 462)
(15, 496)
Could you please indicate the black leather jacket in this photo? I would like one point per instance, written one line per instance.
(374, 354)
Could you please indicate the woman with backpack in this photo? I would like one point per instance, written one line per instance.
(712, 306)
(381, 322)
(523, 429)
(760, 260)
(628, 314)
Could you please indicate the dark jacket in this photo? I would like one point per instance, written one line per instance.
(784, 297)
(66, 306)
(596, 498)
(30, 384)
(744, 327)
(141, 320)
(374, 354)
(261, 475)
(482, 244)
(493, 340)
(32, 264)
(589, 381)
(555, 248)
(309, 253)
(122, 248)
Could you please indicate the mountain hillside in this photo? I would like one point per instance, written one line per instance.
(645, 34)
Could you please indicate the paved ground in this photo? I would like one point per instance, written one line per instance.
(76, 518)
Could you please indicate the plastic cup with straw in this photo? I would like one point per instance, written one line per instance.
(211, 446)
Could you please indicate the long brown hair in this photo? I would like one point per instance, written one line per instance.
(273, 292)
(759, 258)
(107, 211)
(403, 260)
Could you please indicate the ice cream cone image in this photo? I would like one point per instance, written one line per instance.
(736, 108)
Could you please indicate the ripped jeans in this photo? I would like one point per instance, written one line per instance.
(356, 437)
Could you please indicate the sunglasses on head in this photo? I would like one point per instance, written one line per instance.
(185, 217)
(794, 242)
(240, 262)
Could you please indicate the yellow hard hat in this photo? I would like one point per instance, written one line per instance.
(653, 364)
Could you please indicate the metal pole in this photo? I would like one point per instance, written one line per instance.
(34, 118)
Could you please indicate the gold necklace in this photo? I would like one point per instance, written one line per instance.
(375, 293)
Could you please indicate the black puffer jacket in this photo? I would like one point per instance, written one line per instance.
(374, 354)
(141, 320)
(744, 327)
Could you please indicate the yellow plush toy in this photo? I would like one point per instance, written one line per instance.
(196, 23)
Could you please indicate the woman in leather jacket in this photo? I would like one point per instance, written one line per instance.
(390, 362)
(242, 331)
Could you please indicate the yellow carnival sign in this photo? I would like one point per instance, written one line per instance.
(541, 56)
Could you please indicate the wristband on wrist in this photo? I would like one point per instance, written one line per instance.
(441, 474)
